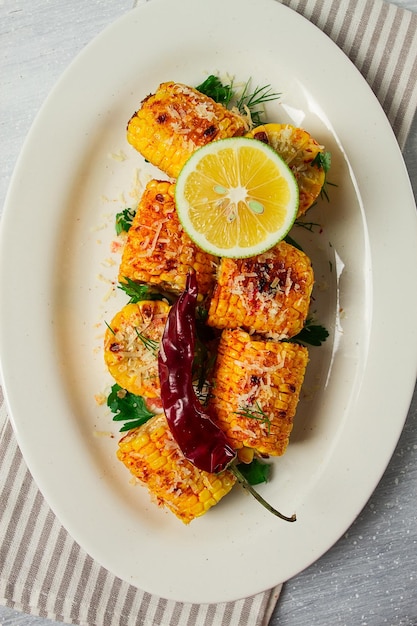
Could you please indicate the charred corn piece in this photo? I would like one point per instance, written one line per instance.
(153, 456)
(176, 120)
(158, 251)
(268, 294)
(256, 391)
(131, 344)
(299, 150)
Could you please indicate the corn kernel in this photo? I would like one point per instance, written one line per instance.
(268, 294)
(158, 251)
(176, 483)
(255, 394)
(172, 123)
(245, 455)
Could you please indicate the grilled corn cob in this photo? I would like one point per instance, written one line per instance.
(172, 123)
(131, 344)
(299, 150)
(267, 294)
(152, 455)
(256, 391)
(158, 251)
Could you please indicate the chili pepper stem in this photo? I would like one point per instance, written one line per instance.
(246, 485)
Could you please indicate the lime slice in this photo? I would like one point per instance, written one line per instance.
(236, 197)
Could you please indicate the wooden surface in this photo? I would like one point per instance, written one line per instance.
(369, 577)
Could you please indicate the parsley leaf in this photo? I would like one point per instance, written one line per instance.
(127, 407)
(138, 292)
(214, 88)
(246, 100)
(255, 472)
(124, 220)
(312, 334)
(322, 160)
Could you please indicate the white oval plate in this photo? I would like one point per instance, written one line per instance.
(56, 236)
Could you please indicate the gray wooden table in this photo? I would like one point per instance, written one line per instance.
(369, 577)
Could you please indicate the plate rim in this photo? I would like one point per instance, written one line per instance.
(8, 217)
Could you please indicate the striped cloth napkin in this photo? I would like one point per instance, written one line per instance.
(42, 570)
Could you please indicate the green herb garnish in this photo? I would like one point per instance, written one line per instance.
(256, 471)
(150, 344)
(255, 413)
(124, 220)
(214, 88)
(246, 485)
(311, 334)
(252, 100)
(110, 328)
(204, 355)
(245, 101)
(127, 407)
(292, 242)
(323, 161)
(323, 192)
(138, 292)
(203, 365)
(310, 226)
(201, 313)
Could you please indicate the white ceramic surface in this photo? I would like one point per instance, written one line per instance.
(67, 186)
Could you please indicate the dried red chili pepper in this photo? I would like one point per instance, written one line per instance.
(202, 442)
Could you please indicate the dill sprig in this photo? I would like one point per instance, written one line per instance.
(150, 344)
(244, 101)
(310, 226)
(256, 414)
(323, 192)
(252, 100)
(110, 328)
(292, 242)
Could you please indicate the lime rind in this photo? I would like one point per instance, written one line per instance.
(236, 251)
